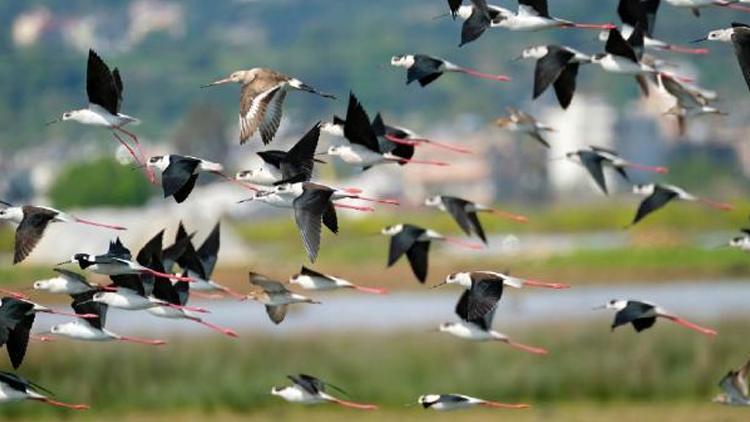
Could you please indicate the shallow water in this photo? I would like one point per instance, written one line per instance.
(702, 302)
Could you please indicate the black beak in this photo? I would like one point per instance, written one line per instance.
(699, 40)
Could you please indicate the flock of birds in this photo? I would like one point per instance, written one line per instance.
(160, 280)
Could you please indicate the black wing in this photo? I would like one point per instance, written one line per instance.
(312, 273)
(20, 383)
(593, 164)
(617, 46)
(357, 128)
(741, 41)
(330, 219)
(182, 288)
(30, 230)
(82, 304)
(631, 12)
(650, 7)
(539, 6)
(425, 70)
(101, 87)
(272, 157)
(179, 176)
(565, 85)
(129, 281)
(308, 213)
(549, 68)
(418, 256)
(467, 220)
(474, 27)
(653, 202)
(633, 311)
(454, 5)
(18, 340)
(308, 383)
(643, 323)
(299, 161)
(402, 242)
(173, 252)
(209, 250)
(477, 305)
(118, 250)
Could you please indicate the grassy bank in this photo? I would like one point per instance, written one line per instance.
(214, 375)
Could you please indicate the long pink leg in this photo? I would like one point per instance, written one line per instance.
(535, 283)
(93, 223)
(188, 308)
(686, 50)
(605, 26)
(478, 74)
(142, 340)
(71, 314)
(418, 141)
(353, 207)
(527, 348)
(353, 405)
(226, 331)
(165, 275)
(378, 201)
(462, 242)
(373, 290)
(207, 295)
(16, 295)
(687, 324)
(655, 169)
(56, 403)
(499, 405)
(427, 162)
(149, 171)
(233, 293)
(718, 205)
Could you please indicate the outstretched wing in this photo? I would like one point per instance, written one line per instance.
(298, 163)
(357, 128)
(593, 164)
(653, 202)
(617, 46)
(265, 283)
(179, 173)
(549, 68)
(260, 108)
(30, 230)
(741, 41)
(101, 87)
(308, 213)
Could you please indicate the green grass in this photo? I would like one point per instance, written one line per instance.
(588, 364)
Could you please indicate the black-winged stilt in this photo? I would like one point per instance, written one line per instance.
(307, 389)
(309, 279)
(558, 66)
(464, 213)
(643, 315)
(460, 401)
(180, 172)
(658, 195)
(595, 158)
(14, 388)
(425, 69)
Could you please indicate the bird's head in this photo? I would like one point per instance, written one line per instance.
(462, 279)
(597, 58)
(719, 35)
(158, 161)
(573, 156)
(238, 77)
(433, 201)
(447, 327)
(428, 400)
(259, 175)
(615, 304)
(14, 214)
(392, 230)
(644, 189)
(739, 241)
(279, 391)
(535, 52)
(44, 284)
(99, 297)
(335, 150)
(403, 60)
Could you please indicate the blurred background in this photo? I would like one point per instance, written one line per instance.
(380, 348)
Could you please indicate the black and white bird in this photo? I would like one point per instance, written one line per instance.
(476, 308)
(556, 65)
(741, 242)
(533, 15)
(309, 279)
(117, 261)
(734, 387)
(521, 122)
(695, 6)
(364, 149)
(280, 167)
(104, 89)
(467, 279)
(595, 158)
(306, 389)
(404, 149)
(414, 241)
(643, 315)
(443, 402)
(426, 69)
(199, 264)
(33, 221)
(66, 282)
(464, 213)
(723, 34)
(642, 13)
(15, 388)
(274, 296)
(478, 16)
(623, 57)
(180, 172)
(658, 195)
(262, 99)
(92, 329)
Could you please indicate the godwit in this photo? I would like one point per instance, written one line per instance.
(464, 213)
(262, 99)
(519, 121)
(307, 389)
(274, 296)
(33, 221)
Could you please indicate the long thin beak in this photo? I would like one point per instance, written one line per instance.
(444, 15)
(699, 40)
(64, 263)
(51, 122)
(219, 82)
(442, 283)
(517, 58)
(246, 200)
(598, 308)
(321, 154)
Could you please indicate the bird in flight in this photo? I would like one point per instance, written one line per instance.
(306, 389)
(262, 98)
(657, 196)
(734, 387)
(643, 315)
(443, 402)
(274, 296)
(464, 213)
